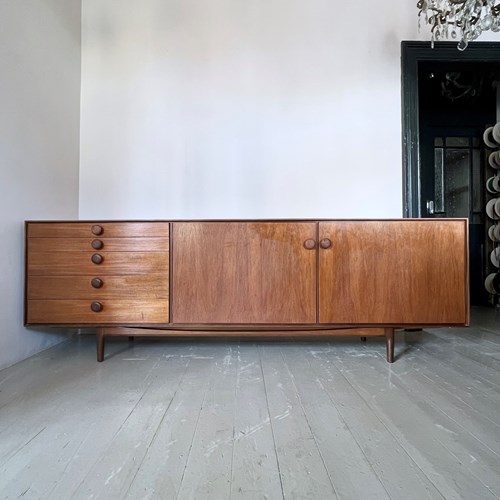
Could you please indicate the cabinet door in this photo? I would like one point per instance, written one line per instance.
(394, 272)
(243, 273)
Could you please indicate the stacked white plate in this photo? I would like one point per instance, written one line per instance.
(493, 184)
(493, 209)
(494, 233)
(491, 138)
(492, 283)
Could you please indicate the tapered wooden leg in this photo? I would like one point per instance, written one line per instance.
(363, 339)
(389, 342)
(99, 338)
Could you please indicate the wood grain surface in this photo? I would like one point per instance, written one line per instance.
(137, 244)
(174, 330)
(78, 312)
(79, 263)
(133, 275)
(147, 286)
(379, 273)
(231, 272)
(84, 229)
(394, 272)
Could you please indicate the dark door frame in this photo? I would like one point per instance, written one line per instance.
(412, 53)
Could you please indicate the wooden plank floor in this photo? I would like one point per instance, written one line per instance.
(298, 419)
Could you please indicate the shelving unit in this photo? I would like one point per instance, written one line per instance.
(491, 139)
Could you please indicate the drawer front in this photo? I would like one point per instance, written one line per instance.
(81, 264)
(153, 244)
(90, 229)
(78, 312)
(98, 288)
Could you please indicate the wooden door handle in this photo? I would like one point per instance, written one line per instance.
(310, 244)
(325, 243)
(97, 230)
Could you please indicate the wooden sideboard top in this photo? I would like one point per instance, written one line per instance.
(293, 219)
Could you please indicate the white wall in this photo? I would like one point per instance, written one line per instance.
(238, 108)
(242, 108)
(39, 145)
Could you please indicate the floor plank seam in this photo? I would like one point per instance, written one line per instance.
(271, 421)
(389, 431)
(49, 494)
(292, 378)
(454, 396)
(181, 378)
(362, 451)
(472, 353)
(112, 439)
(448, 361)
(234, 420)
(194, 433)
(444, 445)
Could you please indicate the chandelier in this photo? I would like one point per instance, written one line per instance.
(463, 20)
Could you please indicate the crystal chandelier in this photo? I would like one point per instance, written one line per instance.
(464, 20)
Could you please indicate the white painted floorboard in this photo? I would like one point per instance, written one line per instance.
(234, 419)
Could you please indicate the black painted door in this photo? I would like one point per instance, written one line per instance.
(457, 102)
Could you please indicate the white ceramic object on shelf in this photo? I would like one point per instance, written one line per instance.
(496, 133)
(494, 160)
(495, 257)
(496, 207)
(489, 185)
(489, 283)
(490, 209)
(491, 233)
(488, 138)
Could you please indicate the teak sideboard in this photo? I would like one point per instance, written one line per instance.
(243, 277)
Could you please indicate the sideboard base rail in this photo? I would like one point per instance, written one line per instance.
(131, 332)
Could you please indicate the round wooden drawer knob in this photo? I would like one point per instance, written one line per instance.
(325, 243)
(97, 230)
(310, 244)
(97, 258)
(97, 244)
(97, 282)
(96, 307)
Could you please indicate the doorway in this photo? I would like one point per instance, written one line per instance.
(449, 98)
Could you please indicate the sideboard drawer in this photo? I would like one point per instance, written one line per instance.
(90, 229)
(41, 263)
(133, 312)
(98, 287)
(97, 273)
(153, 244)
